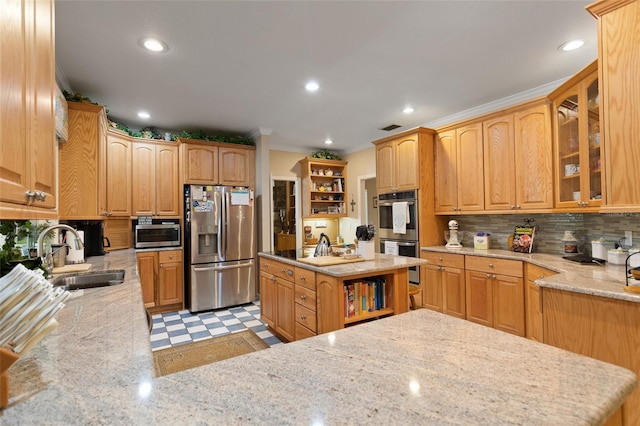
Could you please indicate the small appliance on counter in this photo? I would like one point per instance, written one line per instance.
(570, 242)
(324, 246)
(453, 236)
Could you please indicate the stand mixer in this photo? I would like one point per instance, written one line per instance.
(453, 236)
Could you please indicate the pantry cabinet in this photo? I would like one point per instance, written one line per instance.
(518, 160)
(214, 163)
(495, 293)
(443, 283)
(324, 188)
(155, 179)
(459, 170)
(27, 134)
(619, 68)
(398, 164)
(578, 143)
(161, 278)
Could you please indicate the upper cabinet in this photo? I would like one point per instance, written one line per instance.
(155, 179)
(323, 188)
(117, 163)
(459, 181)
(398, 164)
(518, 171)
(619, 68)
(27, 133)
(578, 142)
(82, 177)
(216, 163)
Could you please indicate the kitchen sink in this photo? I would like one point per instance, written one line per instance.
(90, 280)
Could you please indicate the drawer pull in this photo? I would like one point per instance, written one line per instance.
(491, 265)
(303, 317)
(303, 297)
(302, 278)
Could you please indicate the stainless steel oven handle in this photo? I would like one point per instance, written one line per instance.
(410, 203)
(222, 268)
(407, 244)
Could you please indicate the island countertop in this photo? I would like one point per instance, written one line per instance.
(381, 263)
(597, 280)
(420, 367)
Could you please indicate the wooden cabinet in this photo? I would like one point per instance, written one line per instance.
(324, 188)
(398, 164)
(82, 177)
(495, 293)
(619, 67)
(161, 278)
(602, 328)
(518, 159)
(27, 133)
(577, 149)
(459, 176)
(277, 297)
(210, 163)
(155, 179)
(443, 283)
(118, 176)
(305, 307)
(117, 230)
(533, 301)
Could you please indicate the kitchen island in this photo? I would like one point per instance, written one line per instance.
(419, 367)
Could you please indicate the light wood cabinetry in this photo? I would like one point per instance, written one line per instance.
(210, 163)
(117, 230)
(443, 283)
(118, 176)
(277, 297)
(459, 176)
(495, 293)
(323, 188)
(601, 328)
(161, 278)
(155, 179)
(518, 160)
(398, 164)
(577, 149)
(27, 131)
(619, 70)
(82, 178)
(305, 298)
(533, 301)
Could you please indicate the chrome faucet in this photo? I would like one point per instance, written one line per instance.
(47, 258)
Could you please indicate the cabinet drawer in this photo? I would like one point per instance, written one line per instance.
(305, 297)
(169, 256)
(444, 259)
(279, 269)
(494, 265)
(306, 317)
(535, 272)
(306, 278)
(303, 332)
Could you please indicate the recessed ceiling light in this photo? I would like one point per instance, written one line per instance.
(312, 86)
(408, 110)
(144, 114)
(328, 141)
(571, 45)
(154, 45)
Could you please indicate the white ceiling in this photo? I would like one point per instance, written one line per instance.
(238, 66)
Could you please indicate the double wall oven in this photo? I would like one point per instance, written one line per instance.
(404, 243)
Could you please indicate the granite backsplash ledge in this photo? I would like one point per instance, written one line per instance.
(587, 227)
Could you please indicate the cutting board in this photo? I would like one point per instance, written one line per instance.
(79, 267)
(328, 260)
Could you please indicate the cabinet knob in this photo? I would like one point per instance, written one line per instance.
(517, 206)
(440, 259)
(512, 207)
(290, 272)
(303, 317)
(440, 268)
(488, 275)
(303, 297)
(491, 265)
(170, 256)
(273, 278)
(303, 278)
(541, 277)
(493, 276)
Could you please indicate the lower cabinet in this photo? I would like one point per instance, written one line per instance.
(162, 280)
(277, 297)
(305, 306)
(495, 293)
(533, 300)
(443, 283)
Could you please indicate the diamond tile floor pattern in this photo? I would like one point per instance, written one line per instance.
(175, 328)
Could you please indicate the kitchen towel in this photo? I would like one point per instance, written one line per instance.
(391, 247)
(400, 217)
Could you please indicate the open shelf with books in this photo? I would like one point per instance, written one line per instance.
(367, 298)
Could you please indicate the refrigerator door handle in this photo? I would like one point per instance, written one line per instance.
(222, 268)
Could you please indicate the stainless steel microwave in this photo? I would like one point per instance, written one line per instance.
(157, 235)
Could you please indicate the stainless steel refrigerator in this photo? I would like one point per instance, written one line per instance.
(220, 235)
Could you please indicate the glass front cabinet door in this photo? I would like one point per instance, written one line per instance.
(577, 126)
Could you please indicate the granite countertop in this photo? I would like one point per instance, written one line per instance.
(597, 280)
(381, 263)
(417, 367)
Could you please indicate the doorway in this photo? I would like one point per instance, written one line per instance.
(284, 216)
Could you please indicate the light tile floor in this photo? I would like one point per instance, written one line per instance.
(175, 328)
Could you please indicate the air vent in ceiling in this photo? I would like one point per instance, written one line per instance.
(390, 127)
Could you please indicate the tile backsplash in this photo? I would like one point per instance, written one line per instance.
(587, 227)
